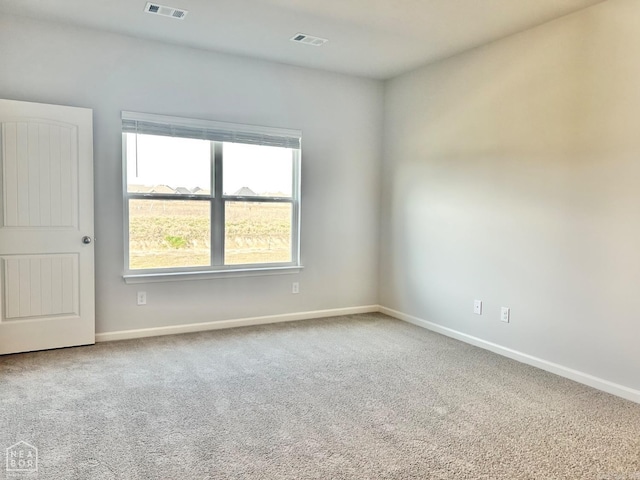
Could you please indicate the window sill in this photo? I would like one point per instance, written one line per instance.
(134, 278)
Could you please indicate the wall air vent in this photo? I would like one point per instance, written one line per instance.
(308, 39)
(165, 11)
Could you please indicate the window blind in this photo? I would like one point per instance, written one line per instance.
(209, 130)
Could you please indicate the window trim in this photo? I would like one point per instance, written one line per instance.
(132, 279)
(216, 198)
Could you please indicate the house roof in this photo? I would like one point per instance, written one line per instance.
(245, 192)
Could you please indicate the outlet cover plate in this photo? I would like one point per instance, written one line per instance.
(142, 298)
(477, 307)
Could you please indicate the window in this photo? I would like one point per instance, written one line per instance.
(205, 196)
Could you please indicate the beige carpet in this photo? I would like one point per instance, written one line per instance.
(357, 397)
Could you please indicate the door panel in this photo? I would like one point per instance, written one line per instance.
(40, 286)
(46, 272)
(41, 167)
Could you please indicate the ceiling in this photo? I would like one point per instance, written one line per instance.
(371, 38)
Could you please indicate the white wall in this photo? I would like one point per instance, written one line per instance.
(511, 175)
(341, 119)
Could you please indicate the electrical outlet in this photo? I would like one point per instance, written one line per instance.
(142, 298)
(504, 316)
(477, 307)
(295, 287)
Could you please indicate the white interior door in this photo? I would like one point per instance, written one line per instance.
(46, 270)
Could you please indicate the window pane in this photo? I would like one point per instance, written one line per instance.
(169, 233)
(257, 232)
(256, 170)
(168, 165)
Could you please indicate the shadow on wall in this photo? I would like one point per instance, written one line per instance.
(504, 185)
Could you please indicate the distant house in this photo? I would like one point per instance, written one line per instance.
(166, 189)
(138, 188)
(245, 192)
(162, 189)
(200, 191)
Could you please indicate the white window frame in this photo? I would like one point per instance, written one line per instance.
(217, 133)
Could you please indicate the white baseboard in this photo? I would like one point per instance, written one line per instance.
(575, 375)
(239, 322)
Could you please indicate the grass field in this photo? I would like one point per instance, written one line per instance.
(177, 233)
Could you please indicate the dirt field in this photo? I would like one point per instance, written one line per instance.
(178, 233)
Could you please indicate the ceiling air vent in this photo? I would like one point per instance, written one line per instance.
(308, 39)
(165, 11)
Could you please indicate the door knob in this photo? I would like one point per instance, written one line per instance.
(86, 240)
